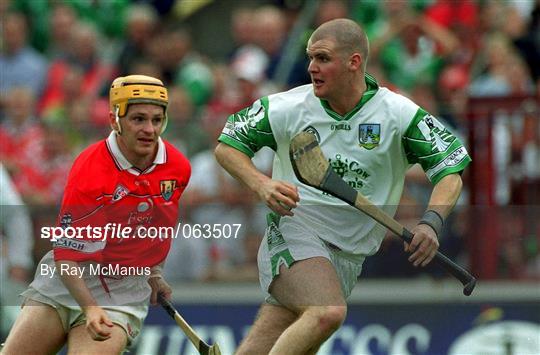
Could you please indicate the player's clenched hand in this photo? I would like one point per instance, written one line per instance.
(280, 196)
(423, 246)
(159, 286)
(98, 323)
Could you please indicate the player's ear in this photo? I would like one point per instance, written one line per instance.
(355, 61)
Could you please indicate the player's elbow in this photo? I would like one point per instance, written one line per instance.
(219, 152)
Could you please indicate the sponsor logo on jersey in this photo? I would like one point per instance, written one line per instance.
(312, 130)
(143, 206)
(229, 128)
(349, 170)
(67, 243)
(119, 193)
(167, 188)
(369, 135)
(456, 157)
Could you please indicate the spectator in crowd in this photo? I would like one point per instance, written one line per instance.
(146, 66)
(45, 179)
(501, 70)
(452, 95)
(16, 239)
(37, 13)
(250, 61)
(49, 21)
(37, 156)
(80, 130)
(250, 81)
(331, 10)
(271, 34)
(62, 22)
(327, 10)
(21, 133)
(242, 28)
(84, 59)
(498, 72)
(412, 47)
(190, 69)
(182, 65)
(141, 25)
(184, 127)
(490, 16)
(20, 64)
(225, 93)
(461, 18)
(57, 102)
(108, 16)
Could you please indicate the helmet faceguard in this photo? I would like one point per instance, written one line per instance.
(137, 89)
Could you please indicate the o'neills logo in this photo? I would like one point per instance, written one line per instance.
(167, 188)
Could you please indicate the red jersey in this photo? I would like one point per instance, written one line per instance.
(105, 190)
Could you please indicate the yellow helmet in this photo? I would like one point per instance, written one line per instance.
(137, 89)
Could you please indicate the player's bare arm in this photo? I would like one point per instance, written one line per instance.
(97, 320)
(443, 199)
(158, 284)
(280, 196)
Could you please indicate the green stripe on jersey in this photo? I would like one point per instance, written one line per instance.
(428, 142)
(371, 90)
(249, 129)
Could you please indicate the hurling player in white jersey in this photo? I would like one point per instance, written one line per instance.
(314, 245)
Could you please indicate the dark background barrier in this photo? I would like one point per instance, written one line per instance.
(388, 318)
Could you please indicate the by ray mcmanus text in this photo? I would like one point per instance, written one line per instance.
(93, 269)
(119, 231)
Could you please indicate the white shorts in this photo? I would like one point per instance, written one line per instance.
(125, 299)
(287, 240)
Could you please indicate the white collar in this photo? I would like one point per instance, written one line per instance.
(121, 161)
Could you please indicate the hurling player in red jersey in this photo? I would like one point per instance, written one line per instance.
(91, 291)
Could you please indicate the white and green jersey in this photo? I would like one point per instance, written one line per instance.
(370, 147)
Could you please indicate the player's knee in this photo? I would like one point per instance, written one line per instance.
(330, 318)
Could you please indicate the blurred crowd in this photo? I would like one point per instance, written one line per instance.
(58, 58)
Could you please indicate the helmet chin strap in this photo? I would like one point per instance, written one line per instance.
(165, 121)
(117, 119)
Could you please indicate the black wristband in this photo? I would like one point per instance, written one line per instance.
(434, 220)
